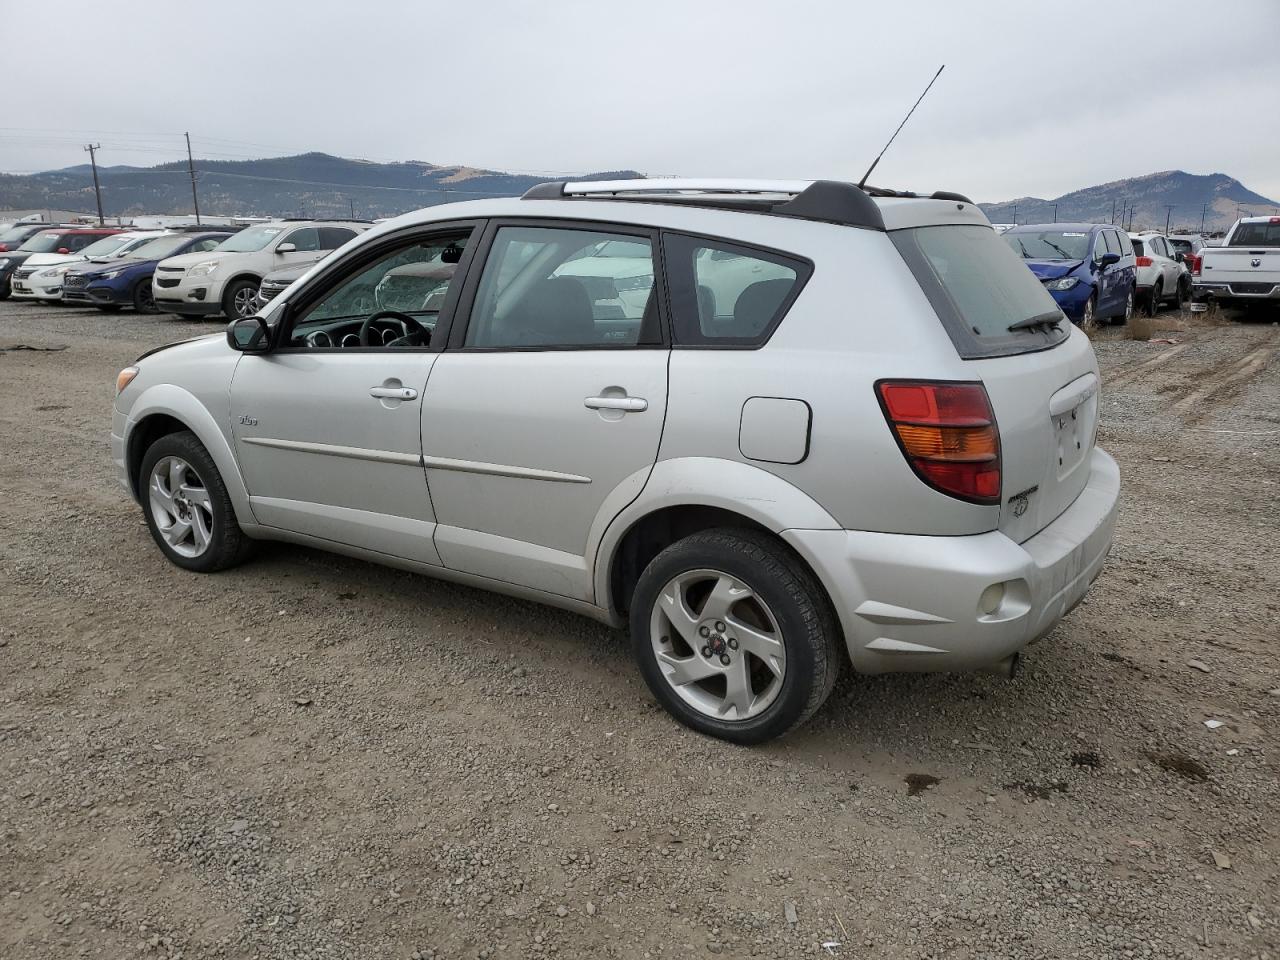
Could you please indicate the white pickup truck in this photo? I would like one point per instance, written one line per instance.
(1245, 269)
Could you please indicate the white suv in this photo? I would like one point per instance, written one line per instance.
(1162, 274)
(225, 280)
(732, 451)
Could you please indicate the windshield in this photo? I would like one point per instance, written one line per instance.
(1259, 233)
(42, 243)
(100, 248)
(247, 241)
(1048, 244)
(158, 248)
(15, 235)
(979, 290)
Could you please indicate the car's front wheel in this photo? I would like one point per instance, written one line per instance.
(240, 299)
(734, 636)
(144, 297)
(1153, 302)
(188, 509)
(1128, 309)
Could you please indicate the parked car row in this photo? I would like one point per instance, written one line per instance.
(190, 271)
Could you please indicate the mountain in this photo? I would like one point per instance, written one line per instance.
(310, 184)
(1145, 202)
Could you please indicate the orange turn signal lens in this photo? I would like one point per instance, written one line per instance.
(124, 378)
(949, 443)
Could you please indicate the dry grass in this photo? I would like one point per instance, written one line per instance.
(1141, 328)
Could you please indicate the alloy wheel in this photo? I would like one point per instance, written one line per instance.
(181, 506)
(718, 645)
(1087, 322)
(245, 302)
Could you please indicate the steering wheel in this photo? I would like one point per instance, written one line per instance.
(415, 329)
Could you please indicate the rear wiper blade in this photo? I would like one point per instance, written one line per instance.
(1039, 320)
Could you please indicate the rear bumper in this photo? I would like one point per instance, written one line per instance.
(1251, 290)
(909, 603)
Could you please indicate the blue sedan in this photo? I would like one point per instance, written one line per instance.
(112, 284)
(1088, 268)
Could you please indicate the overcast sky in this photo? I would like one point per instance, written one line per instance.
(1035, 100)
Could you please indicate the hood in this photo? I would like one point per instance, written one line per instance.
(48, 259)
(96, 268)
(205, 343)
(1052, 269)
(189, 260)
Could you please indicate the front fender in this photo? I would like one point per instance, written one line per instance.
(729, 485)
(169, 400)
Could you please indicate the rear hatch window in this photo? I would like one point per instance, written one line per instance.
(980, 289)
(1257, 234)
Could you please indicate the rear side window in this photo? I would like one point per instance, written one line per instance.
(726, 295)
(1139, 249)
(331, 238)
(979, 288)
(1126, 247)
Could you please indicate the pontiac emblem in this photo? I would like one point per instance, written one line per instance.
(1019, 502)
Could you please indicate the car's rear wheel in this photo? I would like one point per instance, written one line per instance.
(734, 636)
(1153, 302)
(240, 299)
(1180, 293)
(188, 509)
(144, 298)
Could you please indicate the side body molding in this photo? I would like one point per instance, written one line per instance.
(730, 485)
(173, 401)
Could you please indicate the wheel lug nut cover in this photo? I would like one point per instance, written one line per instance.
(719, 626)
(704, 631)
(706, 651)
(733, 644)
(724, 659)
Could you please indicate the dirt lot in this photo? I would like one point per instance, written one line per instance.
(310, 756)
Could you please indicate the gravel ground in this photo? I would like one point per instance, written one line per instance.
(313, 757)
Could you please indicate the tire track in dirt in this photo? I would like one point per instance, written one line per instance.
(1218, 382)
(1128, 374)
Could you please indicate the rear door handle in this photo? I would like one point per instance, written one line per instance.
(626, 404)
(393, 393)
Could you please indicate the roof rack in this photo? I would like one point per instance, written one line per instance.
(830, 201)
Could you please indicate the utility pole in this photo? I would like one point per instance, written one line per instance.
(1204, 208)
(1123, 205)
(1055, 213)
(1015, 214)
(191, 166)
(353, 207)
(97, 189)
(1168, 213)
(1113, 211)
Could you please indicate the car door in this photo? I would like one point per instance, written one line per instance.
(301, 245)
(543, 418)
(1106, 275)
(327, 424)
(1169, 267)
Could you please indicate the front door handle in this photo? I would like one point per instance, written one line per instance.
(625, 404)
(393, 393)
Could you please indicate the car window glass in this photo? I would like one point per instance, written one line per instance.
(552, 287)
(1126, 246)
(331, 238)
(1139, 248)
(407, 285)
(1257, 233)
(1036, 244)
(306, 239)
(726, 294)
(1100, 244)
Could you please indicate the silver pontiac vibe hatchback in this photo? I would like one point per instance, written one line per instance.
(768, 425)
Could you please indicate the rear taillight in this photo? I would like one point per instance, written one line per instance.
(948, 433)
(1144, 261)
(1193, 262)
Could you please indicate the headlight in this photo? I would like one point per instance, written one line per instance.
(124, 378)
(54, 271)
(4, 262)
(1062, 283)
(109, 275)
(203, 269)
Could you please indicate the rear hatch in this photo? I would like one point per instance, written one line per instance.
(1241, 266)
(1041, 376)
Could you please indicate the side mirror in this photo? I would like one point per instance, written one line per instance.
(249, 335)
(287, 248)
(1180, 257)
(1108, 259)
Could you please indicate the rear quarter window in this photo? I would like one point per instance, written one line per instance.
(724, 294)
(979, 288)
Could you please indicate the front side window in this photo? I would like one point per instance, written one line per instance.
(1126, 246)
(728, 295)
(552, 287)
(305, 240)
(393, 302)
(1100, 245)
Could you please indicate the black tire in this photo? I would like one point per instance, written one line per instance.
(1154, 298)
(228, 544)
(798, 603)
(1182, 293)
(6, 288)
(108, 307)
(235, 293)
(144, 298)
(1089, 318)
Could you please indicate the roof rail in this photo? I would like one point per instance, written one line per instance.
(830, 201)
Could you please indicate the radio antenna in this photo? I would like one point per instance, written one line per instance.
(863, 181)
